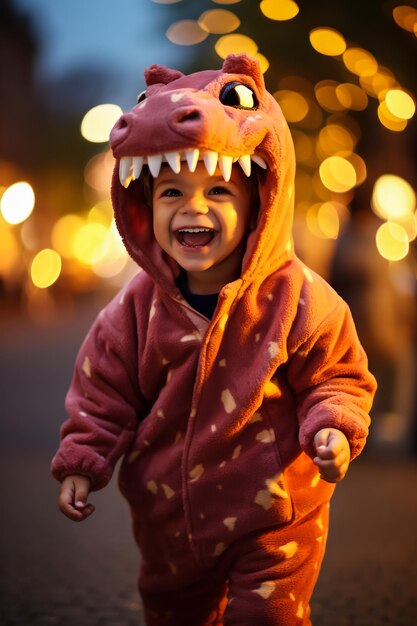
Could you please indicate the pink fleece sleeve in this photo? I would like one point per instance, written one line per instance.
(103, 402)
(330, 377)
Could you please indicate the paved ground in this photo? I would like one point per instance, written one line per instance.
(56, 572)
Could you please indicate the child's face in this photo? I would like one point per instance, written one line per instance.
(201, 221)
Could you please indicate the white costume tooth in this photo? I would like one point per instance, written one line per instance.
(154, 163)
(125, 166)
(245, 164)
(225, 164)
(174, 161)
(259, 160)
(210, 161)
(192, 158)
(137, 166)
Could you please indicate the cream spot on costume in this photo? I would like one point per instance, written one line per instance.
(222, 363)
(82, 414)
(176, 97)
(222, 464)
(165, 361)
(257, 337)
(219, 549)
(228, 401)
(168, 491)
(264, 499)
(289, 549)
(273, 349)
(266, 436)
(230, 523)
(196, 472)
(152, 486)
(236, 452)
(271, 389)
(302, 301)
(270, 297)
(265, 590)
(300, 610)
(160, 413)
(87, 367)
(173, 568)
(213, 428)
(191, 337)
(133, 456)
(178, 437)
(292, 596)
(276, 486)
(256, 417)
(319, 522)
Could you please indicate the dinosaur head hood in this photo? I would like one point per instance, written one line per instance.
(222, 117)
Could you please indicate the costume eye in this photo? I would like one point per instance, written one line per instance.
(141, 97)
(239, 96)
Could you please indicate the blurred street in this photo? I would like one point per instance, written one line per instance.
(57, 572)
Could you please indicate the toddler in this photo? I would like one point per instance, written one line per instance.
(227, 374)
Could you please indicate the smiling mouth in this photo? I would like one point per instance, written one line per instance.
(195, 237)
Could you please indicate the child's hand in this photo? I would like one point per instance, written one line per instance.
(73, 498)
(333, 454)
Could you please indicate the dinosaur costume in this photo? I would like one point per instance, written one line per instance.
(215, 419)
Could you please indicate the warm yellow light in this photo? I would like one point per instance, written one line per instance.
(99, 171)
(102, 213)
(400, 104)
(235, 44)
(186, 33)
(218, 21)
(17, 202)
(352, 96)
(328, 220)
(115, 258)
(406, 17)
(303, 146)
(91, 243)
(389, 120)
(263, 62)
(98, 122)
(281, 11)
(359, 165)
(360, 62)
(326, 96)
(378, 83)
(293, 105)
(327, 41)
(337, 174)
(9, 254)
(45, 268)
(64, 232)
(334, 138)
(392, 241)
(393, 197)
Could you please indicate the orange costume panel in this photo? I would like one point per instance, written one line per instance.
(215, 418)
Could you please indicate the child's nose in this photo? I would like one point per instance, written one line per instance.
(196, 205)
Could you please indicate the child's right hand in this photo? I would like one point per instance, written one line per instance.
(73, 498)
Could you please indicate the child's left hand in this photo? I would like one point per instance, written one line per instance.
(333, 454)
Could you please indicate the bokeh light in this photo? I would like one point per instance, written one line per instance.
(393, 197)
(186, 33)
(98, 122)
(293, 104)
(360, 61)
(10, 251)
(90, 243)
(400, 104)
(218, 21)
(45, 268)
(337, 174)
(390, 121)
(392, 241)
(281, 11)
(326, 95)
(351, 96)
(64, 232)
(406, 17)
(235, 44)
(17, 202)
(327, 41)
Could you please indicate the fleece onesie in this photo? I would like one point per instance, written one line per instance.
(215, 419)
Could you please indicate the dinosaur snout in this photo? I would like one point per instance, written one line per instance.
(120, 130)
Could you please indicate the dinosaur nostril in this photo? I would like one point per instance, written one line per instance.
(121, 123)
(187, 115)
(120, 130)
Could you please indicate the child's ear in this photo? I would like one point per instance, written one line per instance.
(157, 74)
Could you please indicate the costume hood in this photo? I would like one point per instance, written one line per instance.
(221, 117)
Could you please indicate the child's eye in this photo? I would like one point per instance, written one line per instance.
(218, 190)
(171, 193)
